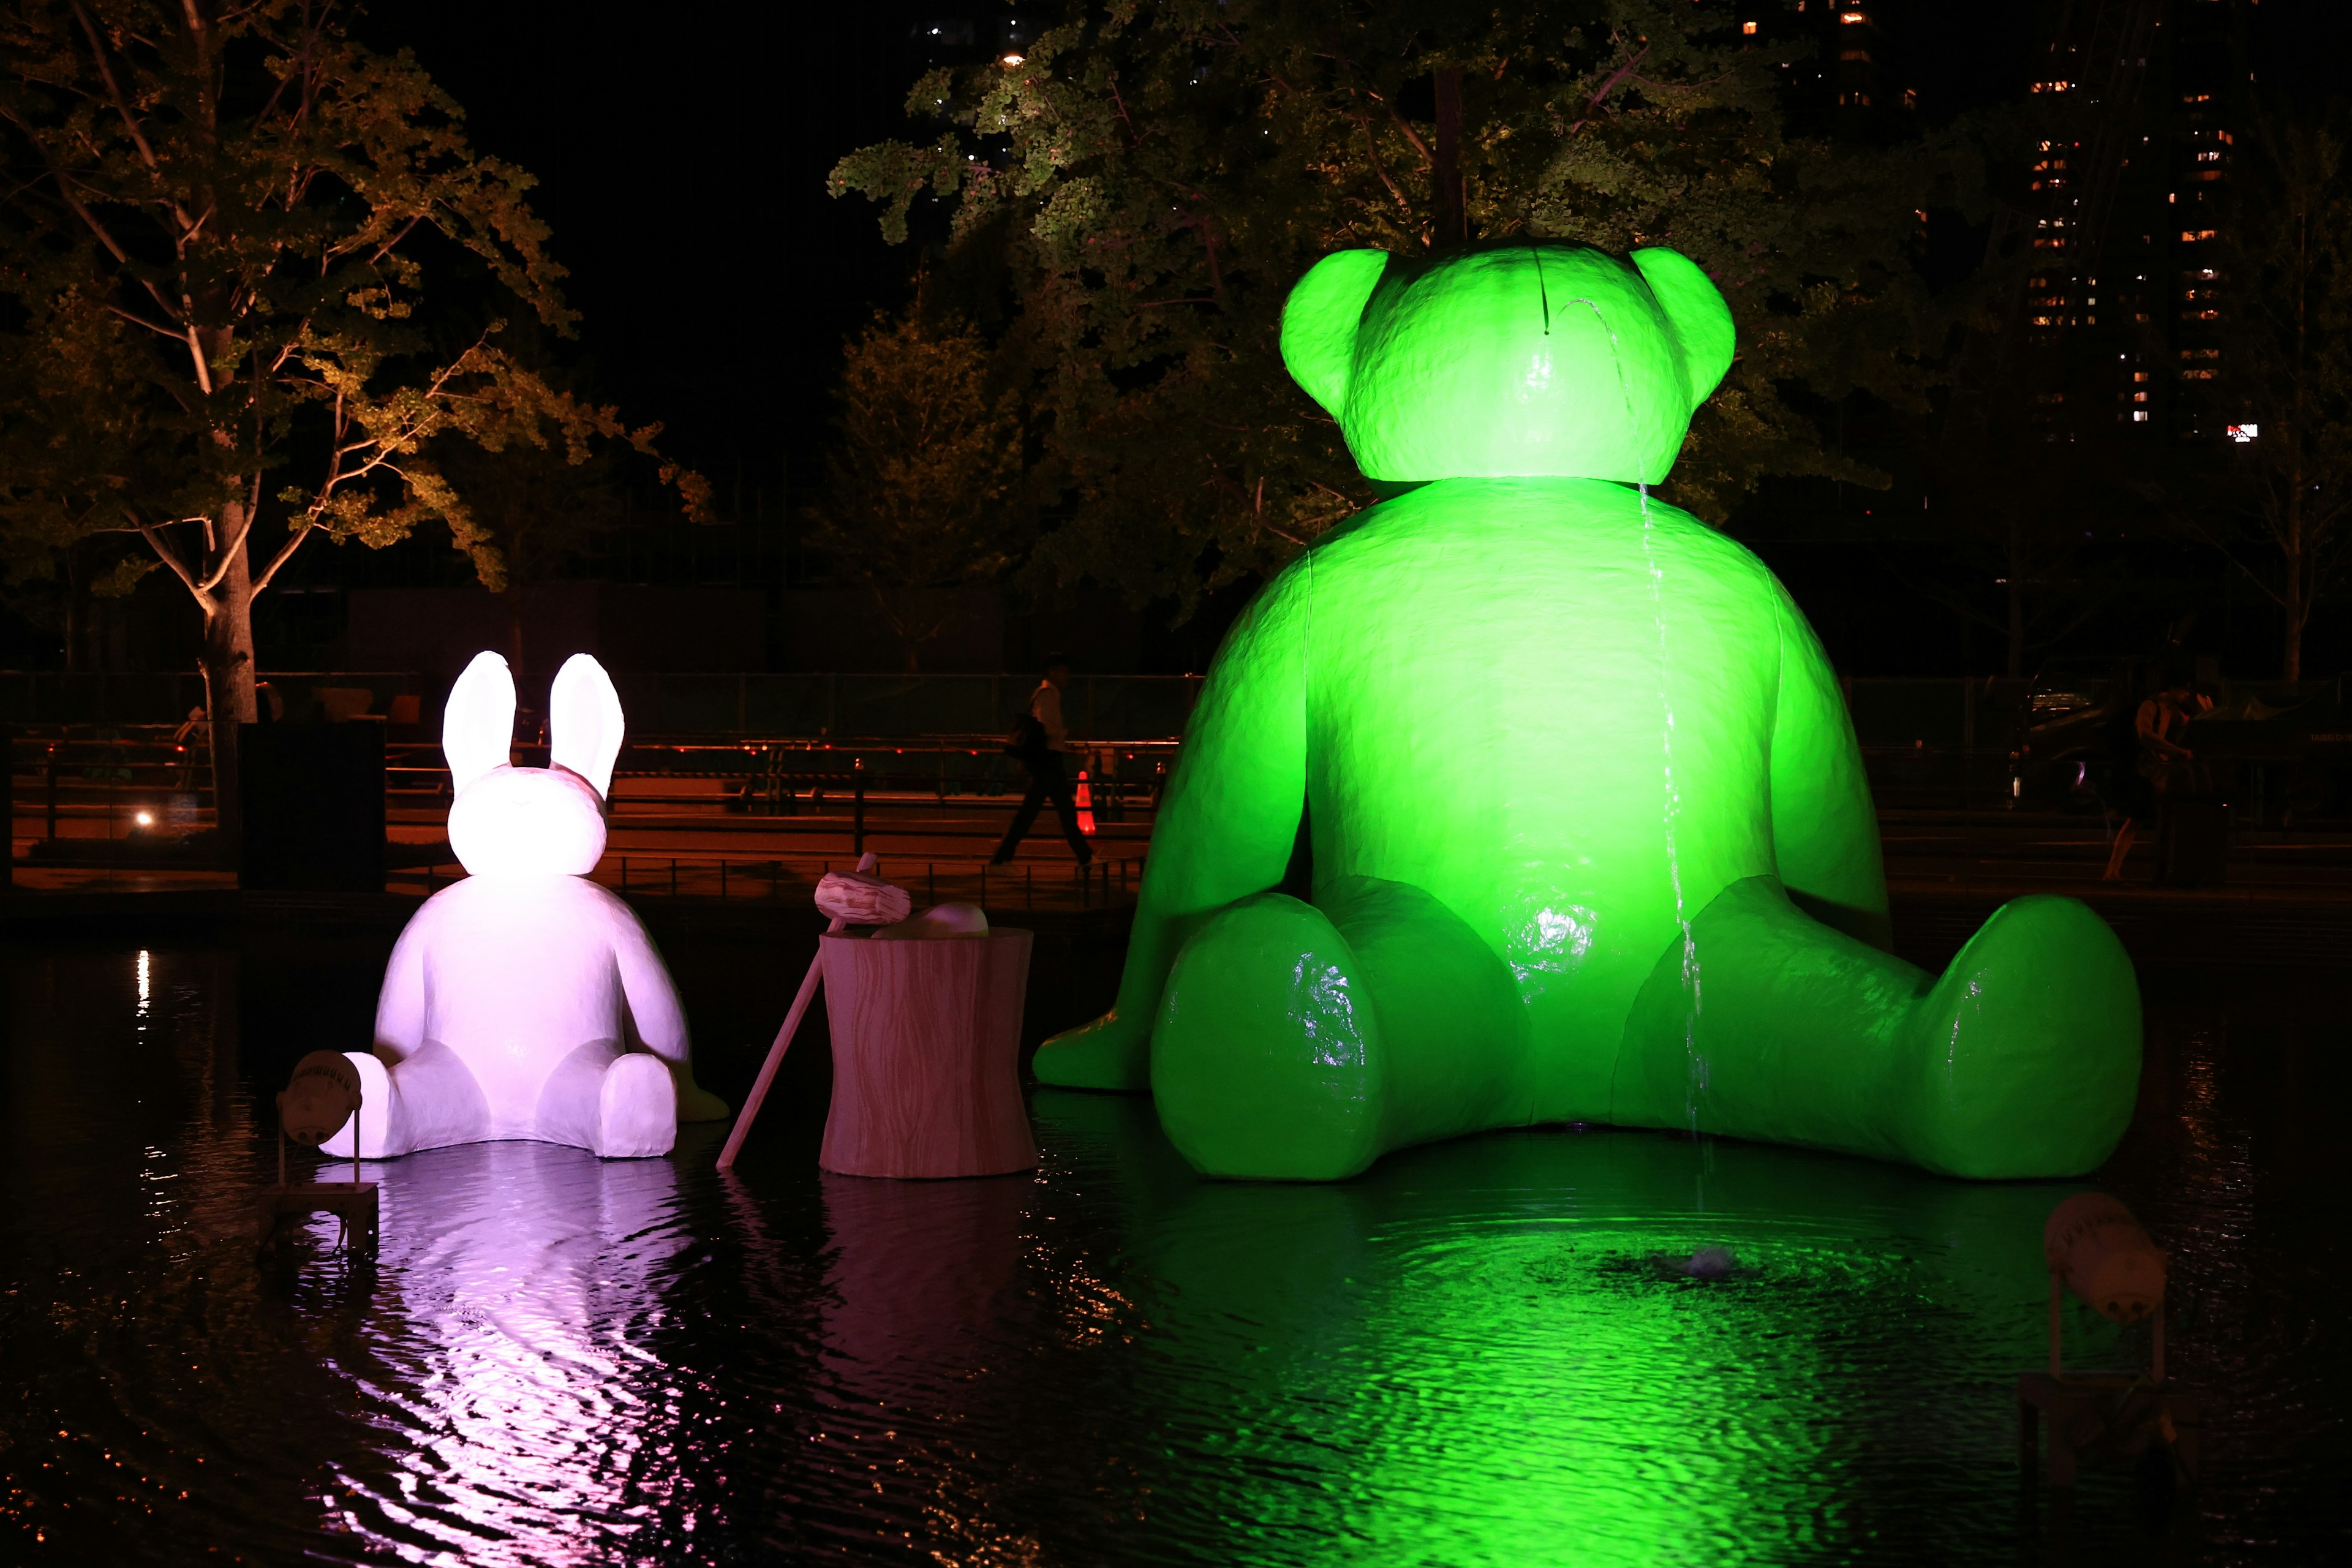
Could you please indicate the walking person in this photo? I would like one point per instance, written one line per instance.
(1040, 743)
(2163, 765)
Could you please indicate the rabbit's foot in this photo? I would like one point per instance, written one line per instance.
(373, 1124)
(637, 1109)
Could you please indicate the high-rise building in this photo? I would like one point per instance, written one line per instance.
(1857, 81)
(2137, 107)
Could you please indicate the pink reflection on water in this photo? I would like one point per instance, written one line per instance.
(528, 1420)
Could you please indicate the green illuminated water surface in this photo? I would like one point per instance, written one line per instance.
(1466, 1356)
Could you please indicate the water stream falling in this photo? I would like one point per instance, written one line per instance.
(1695, 1083)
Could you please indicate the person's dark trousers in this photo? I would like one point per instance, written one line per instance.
(1047, 776)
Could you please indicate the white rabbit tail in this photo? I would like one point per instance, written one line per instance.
(526, 1000)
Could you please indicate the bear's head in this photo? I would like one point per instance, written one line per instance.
(1510, 361)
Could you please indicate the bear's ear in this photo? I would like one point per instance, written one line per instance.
(1318, 322)
(1695, 308)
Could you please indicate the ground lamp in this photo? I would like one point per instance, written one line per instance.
(324, 1095)
(2096, 1249)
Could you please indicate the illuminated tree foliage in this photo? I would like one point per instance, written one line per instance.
(218, 228)
(1153, 180)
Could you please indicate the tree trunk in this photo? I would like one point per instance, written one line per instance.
(2294, 585)
(2016, 601)
(1452, 218)
(227, 663)
(2291, 603)
(78, 650)
(513, 596)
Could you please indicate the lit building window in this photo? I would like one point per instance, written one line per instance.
(1852, 18)
(2191, 236)
(1749, 28)
(2197, 375)
(2242, 434)
(2139, 416)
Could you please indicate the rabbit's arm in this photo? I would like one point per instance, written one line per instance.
(400, 1006)
(656, 1019)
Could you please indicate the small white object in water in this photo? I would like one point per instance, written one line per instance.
(1706, 1263)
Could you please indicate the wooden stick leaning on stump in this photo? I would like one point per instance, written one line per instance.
(856, 899)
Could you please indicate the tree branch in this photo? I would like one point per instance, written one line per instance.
(170, 557)
(285, 553)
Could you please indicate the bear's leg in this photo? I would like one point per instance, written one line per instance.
(2022, 1060)
(1302, 1042)
(428, 1099)
(617, 1104)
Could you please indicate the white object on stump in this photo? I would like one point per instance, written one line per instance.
(925, 1045)
(852, 897)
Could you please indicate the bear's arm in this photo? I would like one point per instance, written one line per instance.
(1230, 818)
(1824, 829)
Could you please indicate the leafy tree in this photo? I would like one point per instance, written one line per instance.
(921, 483)
(1153, 180)
(220, 219)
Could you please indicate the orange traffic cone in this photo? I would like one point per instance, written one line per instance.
(1086, 806)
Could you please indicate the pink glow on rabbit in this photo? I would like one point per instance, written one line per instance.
(526, 1000)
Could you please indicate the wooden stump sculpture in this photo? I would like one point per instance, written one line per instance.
(925, 1040)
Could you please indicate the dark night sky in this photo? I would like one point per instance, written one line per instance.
(683, 150)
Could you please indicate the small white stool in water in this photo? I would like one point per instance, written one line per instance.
(2095, 1248)
(324, 1095)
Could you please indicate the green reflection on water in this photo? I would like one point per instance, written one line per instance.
(1479, 1353)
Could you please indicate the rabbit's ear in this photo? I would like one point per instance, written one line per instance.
(477, 726)
(583, 728)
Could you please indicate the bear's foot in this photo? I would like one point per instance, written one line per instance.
(1113, 1052)
(2028, 1047)
(1267, 1062)
(2022, 1060)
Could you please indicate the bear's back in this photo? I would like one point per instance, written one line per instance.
(1548, 703)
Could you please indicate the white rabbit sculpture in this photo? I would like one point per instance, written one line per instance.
(526, 1000)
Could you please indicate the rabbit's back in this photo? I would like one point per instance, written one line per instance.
(516, 974)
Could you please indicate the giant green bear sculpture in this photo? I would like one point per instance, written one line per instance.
(1590, 839)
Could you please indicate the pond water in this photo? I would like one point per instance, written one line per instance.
(1467, 1357)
